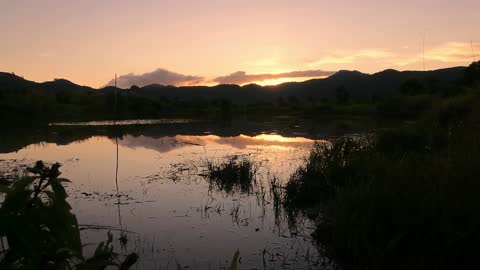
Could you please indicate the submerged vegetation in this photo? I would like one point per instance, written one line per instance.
(236, 174)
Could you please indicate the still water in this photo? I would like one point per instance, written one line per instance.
(164, 207)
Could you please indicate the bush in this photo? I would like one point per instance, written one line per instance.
(404, 107)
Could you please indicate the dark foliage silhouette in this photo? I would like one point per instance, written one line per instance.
(40, 230)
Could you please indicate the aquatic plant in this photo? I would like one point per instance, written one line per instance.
(236, 174)
(40, 230)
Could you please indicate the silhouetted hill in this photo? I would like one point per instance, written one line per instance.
(63, 85)
(359, 85)
(9, 81)
(109, 89)
(12, 82)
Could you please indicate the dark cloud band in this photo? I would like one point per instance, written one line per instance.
(159, 76)
(241, 77)
(166, 77)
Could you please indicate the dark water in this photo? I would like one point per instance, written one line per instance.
(164, 206)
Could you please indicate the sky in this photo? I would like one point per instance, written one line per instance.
(208, 42)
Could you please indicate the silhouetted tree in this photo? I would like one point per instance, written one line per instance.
(134, 87)
(281, 102)
(226, 108)
(374, 98)
(433, 85)
(413, 87)
(342, 95)
(472, 73)
(293, 100)
(311, 100)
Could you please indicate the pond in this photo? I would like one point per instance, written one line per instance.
(147, 183)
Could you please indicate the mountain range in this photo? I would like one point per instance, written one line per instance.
(359, 85)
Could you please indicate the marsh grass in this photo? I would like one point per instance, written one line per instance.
(405, 198)
(236, 174)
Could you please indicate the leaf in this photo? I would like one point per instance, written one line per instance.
(99, 248)
(130, 260)
(59, 191)
(16, 201)
(100, 261)
(234, 263)
(4, 189)
(22, 183)
(63, 180)
(51, 195)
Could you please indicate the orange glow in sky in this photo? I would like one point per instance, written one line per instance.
(194, 42)
(284, 80)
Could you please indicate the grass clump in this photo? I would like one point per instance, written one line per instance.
(326, 168)
(236, 174)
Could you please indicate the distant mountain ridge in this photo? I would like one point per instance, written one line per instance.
(360, 85)
(10, 81)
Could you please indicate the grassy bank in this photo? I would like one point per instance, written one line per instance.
(403, 198)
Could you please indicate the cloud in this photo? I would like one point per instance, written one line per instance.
(454, 52)
(451, 53)
(348, 57)
(241, 77)
(159, 76)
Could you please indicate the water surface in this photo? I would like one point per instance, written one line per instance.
(164, 205)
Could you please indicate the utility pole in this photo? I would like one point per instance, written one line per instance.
(423, 51)
(115, 104)
(473, 52)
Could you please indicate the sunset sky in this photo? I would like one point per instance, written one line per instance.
(190, 42)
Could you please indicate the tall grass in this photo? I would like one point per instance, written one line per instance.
(406, 198)
(236, 174)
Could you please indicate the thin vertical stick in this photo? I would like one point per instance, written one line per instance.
(116, 138)
(473, 52)
(423, 51)
(116, 163)
(115, 104)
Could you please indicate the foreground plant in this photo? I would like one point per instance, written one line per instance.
(40, 230)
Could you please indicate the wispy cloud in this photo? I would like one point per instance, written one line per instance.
(348, 57)
(159, 76)
(451, 53)
(241, 77)
(454, 52)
